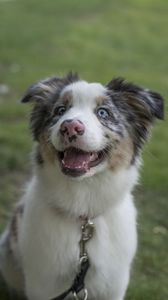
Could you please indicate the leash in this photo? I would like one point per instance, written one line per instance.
(78, 285)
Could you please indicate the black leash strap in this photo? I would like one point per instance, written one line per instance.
(87, 230)
(63, 296)
(78, 283)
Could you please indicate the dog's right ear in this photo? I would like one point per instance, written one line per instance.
(41, 95)
(42, 90)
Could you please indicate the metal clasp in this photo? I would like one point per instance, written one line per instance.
(87, 234)
(85, 295)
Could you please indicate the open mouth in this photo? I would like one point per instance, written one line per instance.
(75, 162)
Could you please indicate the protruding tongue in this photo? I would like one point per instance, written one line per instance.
(76, 159)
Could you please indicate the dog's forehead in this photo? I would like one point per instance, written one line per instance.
(84, 93)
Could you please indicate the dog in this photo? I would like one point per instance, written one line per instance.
(87, 155)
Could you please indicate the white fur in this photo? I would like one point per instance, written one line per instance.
(82, 109)
(49, 235)
(49, 240)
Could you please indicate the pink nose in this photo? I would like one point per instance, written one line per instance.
(72, 128)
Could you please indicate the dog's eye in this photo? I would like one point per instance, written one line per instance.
(102, 113)
(60, 110)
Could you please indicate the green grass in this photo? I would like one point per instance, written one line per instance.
(99, 39)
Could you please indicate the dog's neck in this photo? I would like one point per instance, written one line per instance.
(89, 197)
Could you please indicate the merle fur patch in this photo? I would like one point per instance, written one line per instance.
(44, 94)
(114, 120)
(139, 106)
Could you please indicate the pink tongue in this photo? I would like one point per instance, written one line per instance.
(76, 159)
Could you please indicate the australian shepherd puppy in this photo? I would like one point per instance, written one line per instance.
(86, 160)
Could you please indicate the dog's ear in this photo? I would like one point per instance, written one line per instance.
(144, 104)
(44, 89)
(139, 106)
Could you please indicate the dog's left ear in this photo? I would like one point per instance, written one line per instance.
(144, 104)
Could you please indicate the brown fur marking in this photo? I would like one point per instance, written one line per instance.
(100, 100)
(15, 221)
(46, 149)
(67, 98)
(122, 154)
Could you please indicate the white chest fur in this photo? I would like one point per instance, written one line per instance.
(49, 244)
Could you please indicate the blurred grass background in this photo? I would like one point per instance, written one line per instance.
(99, 39)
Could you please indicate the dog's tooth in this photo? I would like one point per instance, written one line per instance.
(65, 154)
(85, 165)
(93, 156)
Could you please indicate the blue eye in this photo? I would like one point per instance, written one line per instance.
(102, 113)
(59, 111)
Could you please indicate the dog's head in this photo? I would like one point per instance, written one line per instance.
(89, 127)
